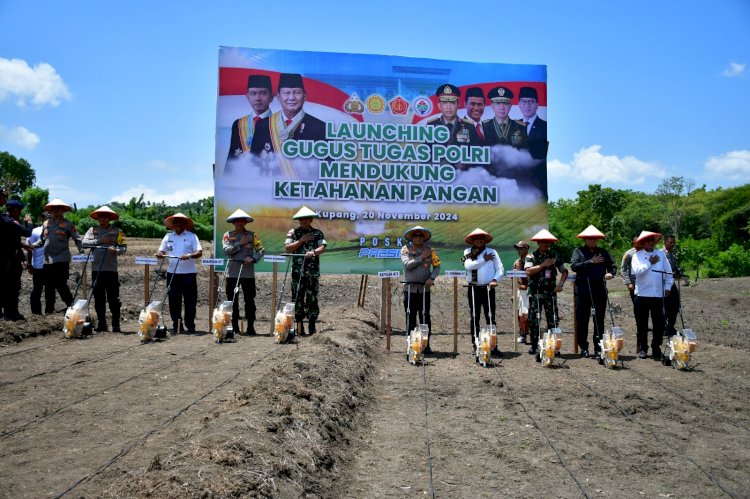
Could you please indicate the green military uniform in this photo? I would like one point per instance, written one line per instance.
(306, 274)
(542, 291)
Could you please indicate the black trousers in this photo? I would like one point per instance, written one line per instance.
(183, 287)
(11, 287)
(247, 285)
(106, 286)
(413, 306)
(672, 304)
(56, 280)
(645, 306)
(38, 280)
(480, 301)
(583, 314)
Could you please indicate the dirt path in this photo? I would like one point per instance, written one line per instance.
(337, 416)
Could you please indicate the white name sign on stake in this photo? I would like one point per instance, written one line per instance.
(82, 258)
(274, 259)
(571, 277)
(389, 273)
(515, 273)
(455, 273)
(212, 262)
(146, 260)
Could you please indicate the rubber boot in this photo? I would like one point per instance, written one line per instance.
(311, 327)
(300, 328)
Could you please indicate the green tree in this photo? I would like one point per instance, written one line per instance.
(670, 193)
(16, 174)
(35, 198)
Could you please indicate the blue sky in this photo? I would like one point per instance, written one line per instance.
(110, 99)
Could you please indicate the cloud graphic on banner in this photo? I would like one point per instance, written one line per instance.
(734, 70)
(19, 136)
(733, 164)
(41, 84)
(589, 165)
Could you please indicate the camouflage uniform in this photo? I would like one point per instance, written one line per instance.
(237, 253)
(542, 291)
(306, 305)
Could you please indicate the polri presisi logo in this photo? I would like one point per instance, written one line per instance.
(398, 105)
(375, 104)
(353, 105)
(422, 106)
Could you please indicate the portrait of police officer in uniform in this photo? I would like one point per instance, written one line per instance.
(461, 133)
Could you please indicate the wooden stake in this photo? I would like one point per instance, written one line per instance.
(211, 294)
(514, 301)
(146, 283)
(388, 313)
(274, 289)
(455, 315)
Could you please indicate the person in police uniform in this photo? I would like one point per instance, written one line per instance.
(308, 241)
(421, 268)
(56, 235)
(259, 95)
(244, 249)
(182, 274)
(461, 132)
(593, 266)
(11, 261)
(542, 267)
(107, 243)
(501, 130)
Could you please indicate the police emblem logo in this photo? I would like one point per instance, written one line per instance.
(501, 91)
(353, 105)
(422, 106)
(375, 104)
(447, 90)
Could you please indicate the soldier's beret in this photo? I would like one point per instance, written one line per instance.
(448, 93)
(259, 81)
(528, 93)
(500, 95)
(290, 80)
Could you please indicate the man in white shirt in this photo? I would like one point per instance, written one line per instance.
(483, 270)
(183, 247)
(653, 280)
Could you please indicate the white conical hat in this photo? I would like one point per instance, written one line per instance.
(478, 232)
(645, 234)
(305, 212)
(544, 235)
(169, 219)
(591, 232)
(418, 228)
(57, 203)
(239, 215)
(113, 215)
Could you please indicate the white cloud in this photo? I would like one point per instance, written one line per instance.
(19, 136)
(589, 166)
(734, 165)
(734, 69)
(41, 84)
(173, 198)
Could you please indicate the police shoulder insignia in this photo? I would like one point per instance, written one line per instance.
(290, 233)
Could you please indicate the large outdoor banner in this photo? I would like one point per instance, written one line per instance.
(377, 144)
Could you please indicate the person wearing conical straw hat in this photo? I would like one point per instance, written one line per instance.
(57, 232)
(653, 280)
(542, 267)
(593, 265)
(483, 268)
(244, 249)
(522, 293)
(109, 242)
(182, 244)
(309, 241)
(421, 268)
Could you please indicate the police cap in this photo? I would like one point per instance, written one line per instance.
(500, 95)
(448, 93)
